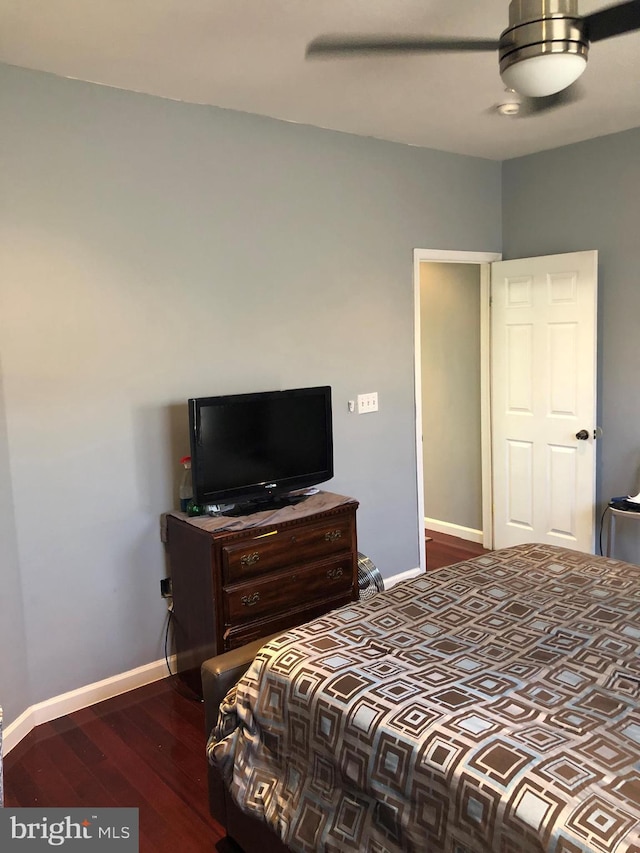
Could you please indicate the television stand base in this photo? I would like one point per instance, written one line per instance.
(249, 507)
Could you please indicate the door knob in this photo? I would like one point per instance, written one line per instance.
(583, 435)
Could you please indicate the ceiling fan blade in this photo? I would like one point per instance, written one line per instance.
(538, 106)
(613, 21)
(350, 45)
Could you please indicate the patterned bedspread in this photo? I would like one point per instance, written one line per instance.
(488, 706)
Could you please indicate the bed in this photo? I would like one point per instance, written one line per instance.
(487, 707)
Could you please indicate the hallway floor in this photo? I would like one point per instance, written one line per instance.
(444, 550)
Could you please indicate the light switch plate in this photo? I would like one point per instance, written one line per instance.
(367, 403)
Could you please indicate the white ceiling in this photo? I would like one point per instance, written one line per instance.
(249, 55)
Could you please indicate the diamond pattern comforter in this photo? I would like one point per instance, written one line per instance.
(488, 706)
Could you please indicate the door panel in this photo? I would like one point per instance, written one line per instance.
(519, 365)
(520, 484)
(543, 392)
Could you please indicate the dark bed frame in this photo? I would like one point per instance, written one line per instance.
(219, 674)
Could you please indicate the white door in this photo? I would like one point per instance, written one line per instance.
(543, 380)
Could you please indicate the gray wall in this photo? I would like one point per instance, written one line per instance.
(587, 196)
(152, 251)
(450, 364)
(15, 694)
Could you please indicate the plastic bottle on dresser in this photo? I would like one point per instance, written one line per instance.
(186, 486)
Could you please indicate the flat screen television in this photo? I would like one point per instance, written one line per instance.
(250, 450)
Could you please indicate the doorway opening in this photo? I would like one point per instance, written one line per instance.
(452, 376)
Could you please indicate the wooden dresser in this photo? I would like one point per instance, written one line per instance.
(233, 586)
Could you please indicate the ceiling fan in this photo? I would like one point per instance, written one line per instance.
(542, 52)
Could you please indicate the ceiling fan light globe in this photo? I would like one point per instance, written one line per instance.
(546, 74)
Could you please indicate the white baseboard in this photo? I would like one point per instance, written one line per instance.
(401, 576)
(75, 700)
(467, 533)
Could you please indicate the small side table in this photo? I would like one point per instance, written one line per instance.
(611, 526)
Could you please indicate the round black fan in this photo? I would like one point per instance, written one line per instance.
(370, 580)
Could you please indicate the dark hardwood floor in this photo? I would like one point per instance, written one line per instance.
(445, 550)
(143, 749)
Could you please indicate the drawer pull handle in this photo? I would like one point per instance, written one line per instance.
(249, 559)
(332, 574)
(250, 600)
(332, 535)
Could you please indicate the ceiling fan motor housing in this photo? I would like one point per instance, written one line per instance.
(539, 28)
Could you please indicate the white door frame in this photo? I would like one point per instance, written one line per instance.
(484, 259)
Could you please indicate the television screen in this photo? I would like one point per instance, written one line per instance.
(252, 447)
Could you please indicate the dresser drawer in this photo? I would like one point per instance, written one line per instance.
(283, 590)
(246, 632)
(280, 548)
